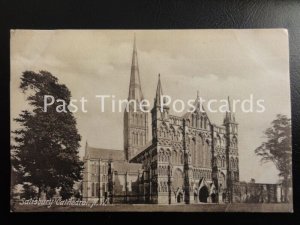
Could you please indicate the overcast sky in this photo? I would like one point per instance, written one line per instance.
(218, 63)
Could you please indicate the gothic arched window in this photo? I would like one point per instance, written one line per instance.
(168, 155)
(234, 142)
(223, 161)
(97, 189)
(205, 123)
(231, 163)
(219, 141)
(173, 156)
(193, 120)
(180, 131)
(172, 132)
(134, 118)
(162, 156)
(93, 189)
(141, 119)
(133, 137)
(142, 139)
(182, 158)
(137, 122)
(219, 161)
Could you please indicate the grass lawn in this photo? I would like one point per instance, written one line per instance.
(241, 207)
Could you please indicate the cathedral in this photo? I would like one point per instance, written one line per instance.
(188, 159)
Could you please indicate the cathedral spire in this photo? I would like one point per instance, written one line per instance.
(229, 104)
(135, 119)
(135, 90)
(229, 117)
(159, 93)
(197, 103)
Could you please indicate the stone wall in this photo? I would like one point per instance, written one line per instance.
(256, 193)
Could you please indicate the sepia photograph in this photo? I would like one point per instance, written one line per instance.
(150, 121)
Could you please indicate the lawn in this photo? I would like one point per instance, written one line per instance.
(276, 207)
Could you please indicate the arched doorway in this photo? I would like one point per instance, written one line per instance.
(203, 194)
(213, 193)
(214, 198)
(178, 185)
(179, 197)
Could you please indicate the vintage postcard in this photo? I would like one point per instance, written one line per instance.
(151, 120)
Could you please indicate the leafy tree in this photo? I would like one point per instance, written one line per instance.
(66, 192)
(28, 191)
(45, 152)
(78, 190)
(278, 149)
(50, 192)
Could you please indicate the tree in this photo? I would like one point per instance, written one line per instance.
(45, 152)
(28, 191)
(78, 190)
(66, 192)
(278, 149)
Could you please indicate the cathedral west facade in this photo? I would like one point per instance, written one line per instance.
(188, 159)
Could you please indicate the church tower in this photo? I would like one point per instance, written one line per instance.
(160, 112)
(232, 156)
(135, 119)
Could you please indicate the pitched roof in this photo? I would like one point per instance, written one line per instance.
(100, 153)
(126, 167)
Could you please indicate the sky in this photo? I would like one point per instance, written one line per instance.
(217, 63)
